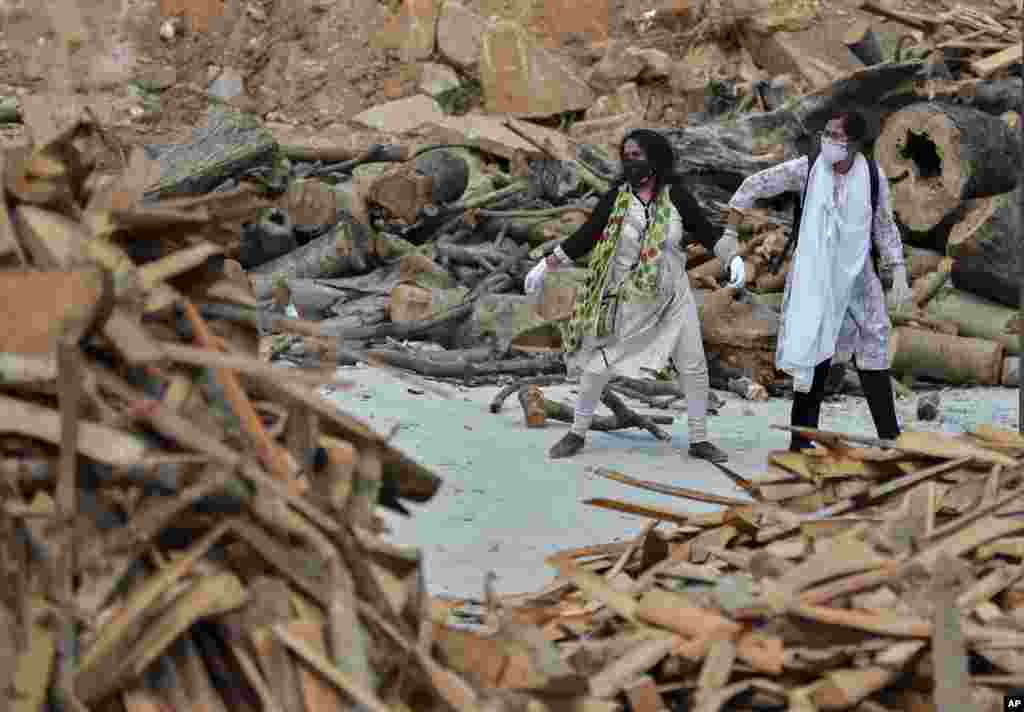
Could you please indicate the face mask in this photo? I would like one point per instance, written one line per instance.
(637, 171)
(834, 152)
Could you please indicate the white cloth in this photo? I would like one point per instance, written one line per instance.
(535, 277)
(647, 333)
(830, 256)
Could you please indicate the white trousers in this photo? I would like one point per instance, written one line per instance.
(692, 366)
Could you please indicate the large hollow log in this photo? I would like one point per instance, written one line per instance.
(938, 155)
(986, 247)
(725, 152)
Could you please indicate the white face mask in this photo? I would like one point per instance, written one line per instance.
(834, 152)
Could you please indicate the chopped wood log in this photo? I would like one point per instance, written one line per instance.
(986, 249)
(995, 97)
(949, 359)
(863, 42)
(531, 398)
(226, 146)
(268, 237)
(341, 252)
(602, 423)
(921, 261)
(724, 153)
(938, 155)
(928, 286)
(434, 178)
(975, 317)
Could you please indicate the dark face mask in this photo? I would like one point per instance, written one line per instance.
(637, 171)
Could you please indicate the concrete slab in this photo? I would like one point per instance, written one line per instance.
(505, 505)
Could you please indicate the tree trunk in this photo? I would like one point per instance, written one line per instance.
(366, 312)
(227, 145)
(975, 317)
(312, 298)
(937, 155)
(725, 152)
(863, 43)
(341, 252)
(949, 359)
(995, 97)
(986, 245)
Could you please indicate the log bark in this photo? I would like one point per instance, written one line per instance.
(226, 146)
(995, 97)
(938, 155)
(268, 237)
(986, 247)
(725, 152)
(950, 359)
(313, 299)
(434, 178)
(975, 317)
(602, 423)
(531, 398)
(341, 252)
(863, 43)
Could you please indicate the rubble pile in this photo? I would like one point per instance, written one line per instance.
(860, 575)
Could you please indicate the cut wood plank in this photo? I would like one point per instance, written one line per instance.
(97, 442)
(38, 308)
(324, 667)
(1000, 60)
(683, 492)
(949, 653)
(659, 513)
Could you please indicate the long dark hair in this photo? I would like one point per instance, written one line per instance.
(659, 152)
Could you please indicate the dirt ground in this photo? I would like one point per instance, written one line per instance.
(505, 505)
(307, 64)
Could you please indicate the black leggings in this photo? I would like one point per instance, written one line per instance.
(877, 389)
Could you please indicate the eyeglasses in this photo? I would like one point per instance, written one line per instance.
(832, 136)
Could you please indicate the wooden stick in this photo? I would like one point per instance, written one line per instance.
(670, 490)
(267, 451)
(335, 676)
(250, 366)
(69, 372)
(878, 623)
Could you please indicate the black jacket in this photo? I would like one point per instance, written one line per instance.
(694, 221)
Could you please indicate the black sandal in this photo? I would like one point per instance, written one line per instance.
(568, 446)
(705, 450)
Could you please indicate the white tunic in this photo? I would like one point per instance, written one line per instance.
(646, 333)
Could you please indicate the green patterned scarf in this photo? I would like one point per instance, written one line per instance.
(593, 313)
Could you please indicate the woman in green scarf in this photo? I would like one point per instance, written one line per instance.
(635, 310)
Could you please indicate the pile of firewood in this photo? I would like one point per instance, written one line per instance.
(858, 578)
(183, 525)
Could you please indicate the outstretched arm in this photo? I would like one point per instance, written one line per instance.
(582, 241)
(789, 176)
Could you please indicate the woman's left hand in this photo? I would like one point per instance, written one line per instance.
(900, 295)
